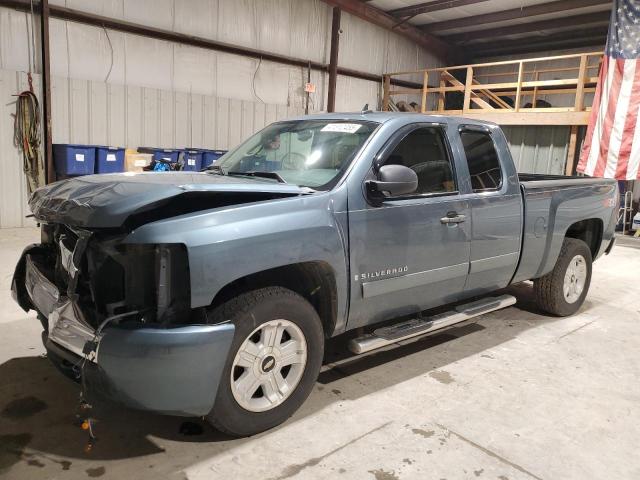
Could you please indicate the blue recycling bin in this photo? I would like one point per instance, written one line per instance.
(192, 160)
(73, 160)
(109, 159)
(210, 156)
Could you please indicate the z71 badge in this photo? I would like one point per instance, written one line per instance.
(381, 273)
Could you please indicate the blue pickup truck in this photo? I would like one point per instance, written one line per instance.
(212, 293)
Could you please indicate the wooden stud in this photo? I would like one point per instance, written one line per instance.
(579, 105)
(386, 88)
(519, 88)
(571, 151)
(441, 95)
(467, 89)
(425, 86)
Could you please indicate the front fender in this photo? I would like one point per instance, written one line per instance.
(224, 245)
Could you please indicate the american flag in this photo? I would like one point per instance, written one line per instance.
(611, 147)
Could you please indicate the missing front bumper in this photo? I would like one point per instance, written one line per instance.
(174, 370)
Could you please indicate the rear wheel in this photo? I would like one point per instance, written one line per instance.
(563, 290)
(273, 362)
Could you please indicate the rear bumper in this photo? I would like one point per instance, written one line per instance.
(173, 370)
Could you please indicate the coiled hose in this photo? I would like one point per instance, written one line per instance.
(27, 138)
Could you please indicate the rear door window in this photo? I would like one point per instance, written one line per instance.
(482, 158)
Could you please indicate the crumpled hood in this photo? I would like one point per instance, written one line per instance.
(107, 201)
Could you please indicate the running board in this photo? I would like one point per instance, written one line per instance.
(420, 326)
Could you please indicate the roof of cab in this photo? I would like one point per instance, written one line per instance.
(396, 117)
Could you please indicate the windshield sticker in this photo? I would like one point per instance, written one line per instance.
(341, 127)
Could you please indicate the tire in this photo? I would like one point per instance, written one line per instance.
(258, 316)
(550, 291)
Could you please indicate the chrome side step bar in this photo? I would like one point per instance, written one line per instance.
(420, 326)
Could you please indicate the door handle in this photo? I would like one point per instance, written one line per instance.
(453, 217)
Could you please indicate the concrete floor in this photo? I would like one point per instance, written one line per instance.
(517, 395)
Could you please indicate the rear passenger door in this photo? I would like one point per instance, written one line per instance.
(410, 252)
(496, 208)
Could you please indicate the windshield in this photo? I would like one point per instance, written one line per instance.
(309, 153)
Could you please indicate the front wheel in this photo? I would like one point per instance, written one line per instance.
(273, 362)
(562, 291)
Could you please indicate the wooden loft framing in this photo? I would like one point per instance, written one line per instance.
(515, 92)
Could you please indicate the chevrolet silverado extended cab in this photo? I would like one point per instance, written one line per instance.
(211, 293)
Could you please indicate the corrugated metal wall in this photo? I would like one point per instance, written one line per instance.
(90, 112)
(13, 188)
(119, 89)
(538, 149)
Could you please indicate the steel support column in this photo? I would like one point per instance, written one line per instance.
(46, 91)
(333, 60)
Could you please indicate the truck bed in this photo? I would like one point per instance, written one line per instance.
(552, 205)
(540, 180)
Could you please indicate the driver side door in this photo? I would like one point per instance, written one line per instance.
(410, 253)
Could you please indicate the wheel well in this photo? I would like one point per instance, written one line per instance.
(315, 281)
(589, 231)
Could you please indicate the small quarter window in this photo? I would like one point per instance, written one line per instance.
(482, 158)
(424, 151)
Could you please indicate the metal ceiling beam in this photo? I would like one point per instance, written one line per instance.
(384, 20)
(512, 14)
(596, 33)
(437, 5)
(591, 43)
(576, 21)
(578, 38)
(200, 42)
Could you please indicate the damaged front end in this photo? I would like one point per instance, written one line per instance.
(118, 317)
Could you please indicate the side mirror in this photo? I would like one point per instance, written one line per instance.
(393, 180)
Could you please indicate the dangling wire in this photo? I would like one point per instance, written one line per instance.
(27, 138)
(26, 126)
(111, 49)
(253, 81)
